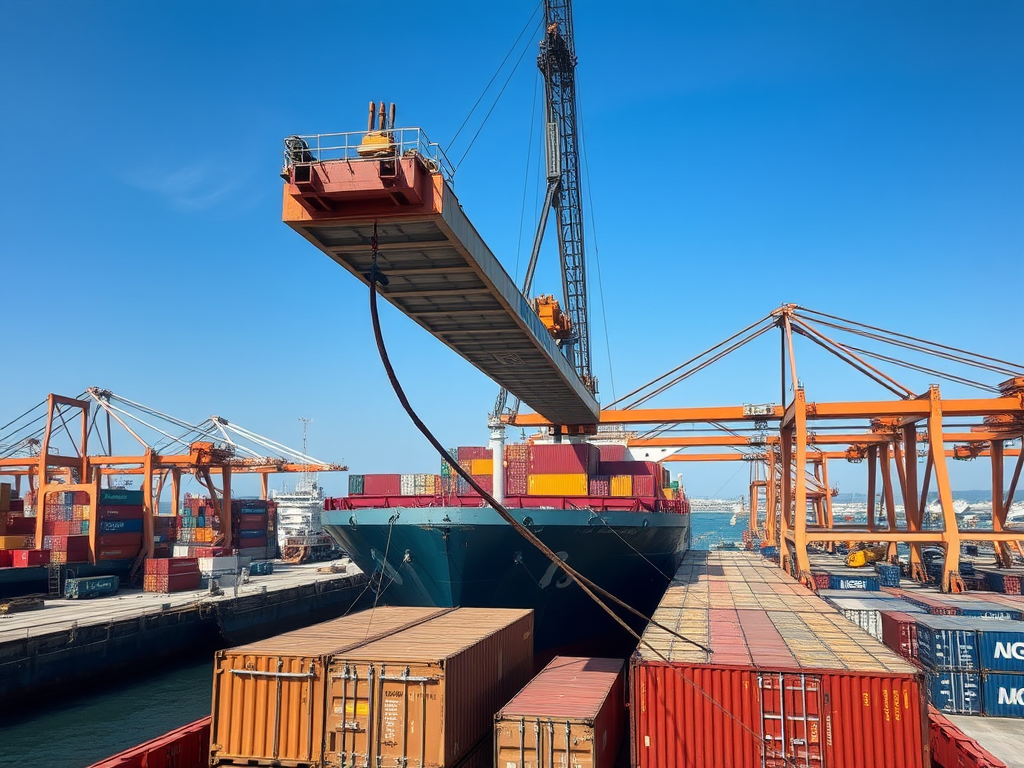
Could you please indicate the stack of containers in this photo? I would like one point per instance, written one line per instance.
(382, 485)
(119, 524)
(789, 680)
(436, 676)
(17, 533)
(571, 714)
(517, 469)
(562, 469)
(899, 632)
(1007, 582)
(66, 527)
(866, 612)
(197, 523)
(251, 521)
(171, 574)
(633, 478)
(165, 533)
(478, 461)
(888, 574)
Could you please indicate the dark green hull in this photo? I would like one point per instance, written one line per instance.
(469, 556)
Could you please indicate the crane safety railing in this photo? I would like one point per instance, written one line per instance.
(404, 142)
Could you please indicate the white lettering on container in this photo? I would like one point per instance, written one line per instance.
(1013, 696)
(1010, 651)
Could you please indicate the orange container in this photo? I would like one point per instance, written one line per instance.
(268, 696)
(558, 485)
(426, 697)
(572, 713)
(622, 485)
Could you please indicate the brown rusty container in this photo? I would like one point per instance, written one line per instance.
(269, 696)
(426, 697)
(571, 714)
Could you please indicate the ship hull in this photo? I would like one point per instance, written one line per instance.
(469, 556)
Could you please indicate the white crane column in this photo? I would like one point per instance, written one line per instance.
(497, 446)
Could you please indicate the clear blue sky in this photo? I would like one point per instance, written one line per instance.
(865, 159)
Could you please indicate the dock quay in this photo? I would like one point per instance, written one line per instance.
(77, 641)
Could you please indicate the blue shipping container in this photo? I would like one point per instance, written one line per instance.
(1001, 645)
(948, 642)
(888, 574)
(244, 534)
(93, 586)
(955, 693)
(120, 526)
(1004, 695)
(120, 497)
(867, 582)
(991, 611)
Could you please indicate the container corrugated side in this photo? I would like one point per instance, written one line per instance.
(570, 714)
(558, 485)
(899, 632)
(955, 692)
(1003, 694)
(947, 642)
(269, 696)
(427, 696)
(564, 459)
(621, 485)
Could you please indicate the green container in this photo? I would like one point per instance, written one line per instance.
(120, 497)
(93, 586)
(355, 485)
(674, 485)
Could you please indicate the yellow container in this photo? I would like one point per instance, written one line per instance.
(622, 485)
(481, 466)
(668, 493)
(558, 485)
(18, 542)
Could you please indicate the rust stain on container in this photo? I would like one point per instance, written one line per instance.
(789, 682)
(269, 696)
(426, 697)
(571, 714)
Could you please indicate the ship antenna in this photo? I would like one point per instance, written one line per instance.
(305, 423)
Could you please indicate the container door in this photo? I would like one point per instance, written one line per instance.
(791, 706)
(385, 716)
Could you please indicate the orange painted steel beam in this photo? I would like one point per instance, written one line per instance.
(923, 537)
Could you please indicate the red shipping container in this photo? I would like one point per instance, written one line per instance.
(7, 558)
(633, 468)
(382, 485)
(821, 580)
(26, 558)
(17, 505)
(120, 513)
(643, 486)
(600, 485)
(252, 522)
(516, 485)
(16, 525)
(188, 745)
(249, 543)
(119, 540)
(73, 545)
(612, 452)
(171, 566)
(583, 698)
(212, 551)
(61, 528)
(80, 497)
(117, 553)
(467, 453)
(564, 459)
(899, 632)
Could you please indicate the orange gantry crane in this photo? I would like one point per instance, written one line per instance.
(169, 448)
(795, 442)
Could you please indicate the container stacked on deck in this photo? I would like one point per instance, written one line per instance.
(393, 686)
(198, 525)
(171, 574)
(867, 611)
(787, 676)
(17, 534)
(119, 534)
(570, 714)
(975, 665)
(562, 469)
(66, 527)
(252, 522)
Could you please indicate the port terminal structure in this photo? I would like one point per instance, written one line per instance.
(52, 458)
(384, 197)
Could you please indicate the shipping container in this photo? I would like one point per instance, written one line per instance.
(27, 558)
(120, 513)
(565, 459)
(119, 540)
(1007, 582)
(117, 553)
(167, 583)
(571, 714)
(796, 685)
(1003, 695)
(181, 748)
(481, 467)
(599, 485)
(466, 453)
(382, 485)
(92, 586)
(899, 632)
(16, 525)
(865, 583)
(888, 574)
(644, 485)
(558, 485)
(120, 526)
(427, 696)
(621, 485)
(269, 696)
(6, 558)
(955, 692)
(355, 485)
(119, 497)
(632, 468)
(611, 452)
(172, 565)
(866, 613)
(947, 642)
(22, 541)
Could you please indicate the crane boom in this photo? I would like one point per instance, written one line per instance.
(557, 63)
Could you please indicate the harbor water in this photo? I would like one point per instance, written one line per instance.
(81, 728)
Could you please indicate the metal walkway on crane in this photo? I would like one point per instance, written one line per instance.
(439, 270)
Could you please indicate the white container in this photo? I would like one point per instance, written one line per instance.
(407, 485)
(181, 550)
(220, 566)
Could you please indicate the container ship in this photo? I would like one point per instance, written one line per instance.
(431, 540)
